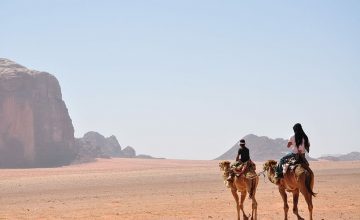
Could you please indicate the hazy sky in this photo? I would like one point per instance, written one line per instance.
(188, 79)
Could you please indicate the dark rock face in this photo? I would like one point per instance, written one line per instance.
(129, 152)
(261, 149)
(94, 145)
(35, 127)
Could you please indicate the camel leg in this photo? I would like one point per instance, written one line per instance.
(250, 192)
(284, 197)
(308, 199)
(254, 208)
(254, 202)
(242, 199)
(236, 197)
(296, 201)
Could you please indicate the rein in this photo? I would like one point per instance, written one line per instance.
(258, 174)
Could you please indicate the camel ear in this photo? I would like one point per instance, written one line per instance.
(224, 164)
(273, 162)
(268, 164)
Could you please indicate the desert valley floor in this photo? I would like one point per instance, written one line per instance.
(163, 189)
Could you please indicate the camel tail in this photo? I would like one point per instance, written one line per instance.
(308, 180)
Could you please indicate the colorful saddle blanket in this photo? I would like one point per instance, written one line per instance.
(250, 168)
(292, 162)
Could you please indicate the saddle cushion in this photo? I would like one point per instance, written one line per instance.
(250, 169)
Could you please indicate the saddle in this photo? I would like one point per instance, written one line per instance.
(250, 168)
(295, 161)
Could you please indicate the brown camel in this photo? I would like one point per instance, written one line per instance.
(243, 185)
(300, 179)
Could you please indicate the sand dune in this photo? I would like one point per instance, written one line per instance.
(162, 189)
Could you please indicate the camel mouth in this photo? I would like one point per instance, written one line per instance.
(265, 168)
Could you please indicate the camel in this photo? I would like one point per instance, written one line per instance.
(300, 179)
(243, 185)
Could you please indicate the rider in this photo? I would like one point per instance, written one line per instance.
(242, 157)
(299, 143)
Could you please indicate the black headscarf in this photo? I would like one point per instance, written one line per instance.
(300, 135)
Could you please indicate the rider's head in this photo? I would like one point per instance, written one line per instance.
(297, 128)
(242, 142)
(300, 136)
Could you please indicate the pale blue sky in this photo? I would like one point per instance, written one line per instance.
(187, 79)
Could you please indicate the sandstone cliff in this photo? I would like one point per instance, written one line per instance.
(35, 127)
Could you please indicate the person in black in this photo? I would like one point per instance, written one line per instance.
(243, 153)
(242, 157)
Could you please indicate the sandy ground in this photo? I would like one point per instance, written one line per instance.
(163, 189)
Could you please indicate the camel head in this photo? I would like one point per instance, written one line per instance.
(224, 165)
(269, 164)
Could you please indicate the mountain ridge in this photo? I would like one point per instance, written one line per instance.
(352, 156)
(261, 148)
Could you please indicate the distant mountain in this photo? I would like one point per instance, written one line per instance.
(353, 156)
(144, 156)
(261, 148)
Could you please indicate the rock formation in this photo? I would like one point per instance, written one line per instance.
(35, 127)
(128, 152)
(94, 145)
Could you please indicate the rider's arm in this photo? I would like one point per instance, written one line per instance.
(237, 157)
(291, 141)
(289, 144)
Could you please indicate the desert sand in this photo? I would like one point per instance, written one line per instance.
(163, 189)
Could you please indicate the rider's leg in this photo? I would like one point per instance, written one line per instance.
(279, 169)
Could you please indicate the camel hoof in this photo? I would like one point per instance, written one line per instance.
(247, 217)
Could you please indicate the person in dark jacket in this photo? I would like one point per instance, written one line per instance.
(241, 161)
